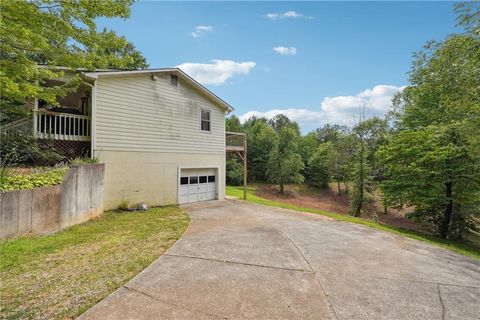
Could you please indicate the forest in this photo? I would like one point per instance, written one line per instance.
(424, 154)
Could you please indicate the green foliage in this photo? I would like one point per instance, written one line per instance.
(307, 145)
(84, 160)
(89, 260)
(319, 166)
(433, 160)
(234, 172)
(284, 165)
(41, 177)
(23, 148)
(368, 136)
(232, 124)
(361, 193)
(123, 206)
(281, 121)
(57, 33)
(261, 140)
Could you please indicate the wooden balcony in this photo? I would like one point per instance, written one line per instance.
(235, 142)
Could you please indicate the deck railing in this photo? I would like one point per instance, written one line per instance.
(61, 126)
(235, 141)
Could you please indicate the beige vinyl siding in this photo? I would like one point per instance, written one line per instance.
(135, 113)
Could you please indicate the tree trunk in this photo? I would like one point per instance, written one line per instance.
(358, 209)
(447, 215)
(281, 188)
(338, 186)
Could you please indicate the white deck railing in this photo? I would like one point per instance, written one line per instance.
(61, 126)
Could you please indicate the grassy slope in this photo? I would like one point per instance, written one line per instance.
(463, 248)
(61, 275)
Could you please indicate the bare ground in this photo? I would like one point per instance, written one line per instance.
(329, 200)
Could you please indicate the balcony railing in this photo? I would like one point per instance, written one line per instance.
(235, 141)
(61, 126)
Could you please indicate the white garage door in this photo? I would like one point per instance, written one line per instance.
(197, 185)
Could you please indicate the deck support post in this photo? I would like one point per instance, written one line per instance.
(245, 167)
(240, 148)
(35, 118)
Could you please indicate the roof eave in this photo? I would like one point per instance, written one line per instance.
(96, 75)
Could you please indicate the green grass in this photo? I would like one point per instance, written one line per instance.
(464, 248)
(60, 276)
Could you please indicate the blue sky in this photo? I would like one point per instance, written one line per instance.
(317, 62)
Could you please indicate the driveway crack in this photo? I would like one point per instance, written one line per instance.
(171, 304)
(441, 301)
(236, 262)
(313, 271)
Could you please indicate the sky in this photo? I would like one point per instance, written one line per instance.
(316, 62)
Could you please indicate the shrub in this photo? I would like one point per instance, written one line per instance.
(23, 148)
(41, 177)
(123, 206)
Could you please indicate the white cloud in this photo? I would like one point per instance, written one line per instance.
(339, 109)
(201, 30)
(285, 15)
(217, 72)
(285, 51)
(374, 102)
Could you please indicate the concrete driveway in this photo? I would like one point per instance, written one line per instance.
(244, 261)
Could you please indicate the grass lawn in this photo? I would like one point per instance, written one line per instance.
(465, 248)
(60, 276)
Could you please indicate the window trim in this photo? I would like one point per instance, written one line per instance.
(209, 120)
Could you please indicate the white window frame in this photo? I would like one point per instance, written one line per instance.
(209, 120)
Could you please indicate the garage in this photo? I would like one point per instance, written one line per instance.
(197, 185)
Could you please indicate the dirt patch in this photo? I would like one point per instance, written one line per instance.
(329, 200)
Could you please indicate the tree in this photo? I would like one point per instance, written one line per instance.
(57, 33)
(232, 124)
(330, 132)
(342, 158)
(281, 121)
(307, 145)
(433, 160)
(369, 135)
(284, 165)
(234, 171)
(320, 166)
(261, 140)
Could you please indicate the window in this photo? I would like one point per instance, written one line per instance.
(193, 180)
(211, 178)
(174, 80)
(184, 180)
(205, 120)
(203, 179)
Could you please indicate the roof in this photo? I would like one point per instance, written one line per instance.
(176, 71)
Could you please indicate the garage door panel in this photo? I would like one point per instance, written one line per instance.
(197, 185)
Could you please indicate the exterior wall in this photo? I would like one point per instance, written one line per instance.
(145, 130)
(135, 113)
(48, 209)
(152, 177)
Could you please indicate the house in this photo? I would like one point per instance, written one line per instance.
(159, 132)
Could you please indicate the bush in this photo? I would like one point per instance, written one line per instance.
(42, 177)
(23, 148)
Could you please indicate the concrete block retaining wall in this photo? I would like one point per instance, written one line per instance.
(48, 209)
